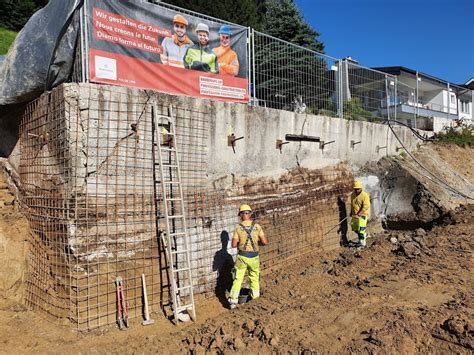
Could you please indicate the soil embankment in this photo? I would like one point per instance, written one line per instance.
(409, 291)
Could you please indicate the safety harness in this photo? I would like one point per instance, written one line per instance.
(248, 230)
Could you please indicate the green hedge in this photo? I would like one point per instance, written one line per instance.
(6, 39)
(461, 134)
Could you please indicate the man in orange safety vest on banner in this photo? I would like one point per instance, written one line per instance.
(174, 48)
(226, 57)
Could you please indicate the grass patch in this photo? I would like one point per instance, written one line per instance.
(460, 133)
(6, 39)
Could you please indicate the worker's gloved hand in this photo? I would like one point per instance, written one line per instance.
(197, 65)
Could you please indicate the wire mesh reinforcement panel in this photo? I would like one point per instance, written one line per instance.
(88, 187)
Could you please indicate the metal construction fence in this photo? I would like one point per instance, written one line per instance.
(286, 76)
(290, 77)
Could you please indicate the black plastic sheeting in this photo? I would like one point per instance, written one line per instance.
(41, 57)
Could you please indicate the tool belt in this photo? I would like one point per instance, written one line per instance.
(248, 254)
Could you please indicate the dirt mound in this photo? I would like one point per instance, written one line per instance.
(395, 296)
(422, 194)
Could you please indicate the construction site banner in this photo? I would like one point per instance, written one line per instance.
(144, 45)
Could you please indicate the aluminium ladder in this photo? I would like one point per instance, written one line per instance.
(176, 241)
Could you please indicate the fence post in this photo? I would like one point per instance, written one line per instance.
(86, 40)
(395, 101)
(449, 104)
(416, 97)
(249, 67)
(387, 98)
(253, 69)
(339, 95)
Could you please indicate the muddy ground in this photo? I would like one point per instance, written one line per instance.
(409, 291)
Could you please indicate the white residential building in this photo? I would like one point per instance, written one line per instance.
(429, 102)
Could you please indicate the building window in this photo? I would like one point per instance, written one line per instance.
(464, 106)
(453, 99)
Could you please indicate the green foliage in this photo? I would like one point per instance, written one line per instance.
(15, 13)
(284, 21)
(289, 76)
(353, 110)
(460, 133)
(242, 12)
(278, 18)
(6, 39)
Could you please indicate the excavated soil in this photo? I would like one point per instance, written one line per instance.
(407, 292)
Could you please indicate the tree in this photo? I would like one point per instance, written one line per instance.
(242, 12)
(284, 21)
(291, 77)
(14, 14)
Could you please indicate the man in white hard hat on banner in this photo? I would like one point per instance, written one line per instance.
(174, 48)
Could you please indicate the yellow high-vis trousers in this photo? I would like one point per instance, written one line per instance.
(243, 264)
(359, 225)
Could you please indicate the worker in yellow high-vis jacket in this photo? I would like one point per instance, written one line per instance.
(247, 236)
(360, 208)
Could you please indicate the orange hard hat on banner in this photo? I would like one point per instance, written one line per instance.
(180, 19)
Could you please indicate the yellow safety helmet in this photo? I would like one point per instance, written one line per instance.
(180, 19)
(244, 207)
(357, 184)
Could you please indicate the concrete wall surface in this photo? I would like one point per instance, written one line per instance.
(91, 188)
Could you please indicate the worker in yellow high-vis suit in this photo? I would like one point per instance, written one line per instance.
(360, 208)
(247, 236)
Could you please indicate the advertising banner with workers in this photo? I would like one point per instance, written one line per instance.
(144, 45)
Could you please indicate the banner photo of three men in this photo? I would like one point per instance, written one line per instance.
(143, 45)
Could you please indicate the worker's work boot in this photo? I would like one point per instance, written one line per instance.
(232, 303)
(362, 243)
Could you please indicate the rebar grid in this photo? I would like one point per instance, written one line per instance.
(87, 167)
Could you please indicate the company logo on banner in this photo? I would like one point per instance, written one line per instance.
(138, 44)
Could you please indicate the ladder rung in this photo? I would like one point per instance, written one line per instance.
(176, 216)
(179, 251)
(168, 149)
(174, 199)
(177, 233)
(185, 307)
(167, 182)
(167, 165)
(183, 288)
(164, 133)
(182, 269)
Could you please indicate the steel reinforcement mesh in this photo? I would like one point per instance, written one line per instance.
(87, 170)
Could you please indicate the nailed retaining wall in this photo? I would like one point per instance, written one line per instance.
(88, 186)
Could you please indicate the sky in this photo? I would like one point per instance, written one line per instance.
(435, 37)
